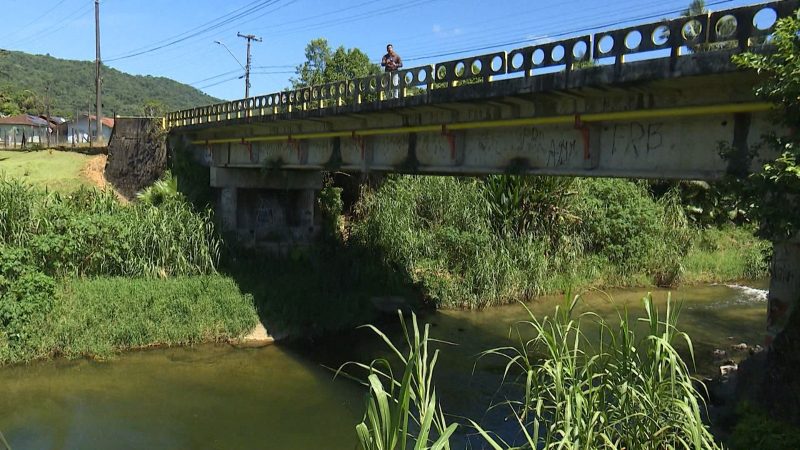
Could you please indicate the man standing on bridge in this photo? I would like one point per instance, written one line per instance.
(391, 61)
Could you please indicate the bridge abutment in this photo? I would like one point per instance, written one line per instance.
(267, 208)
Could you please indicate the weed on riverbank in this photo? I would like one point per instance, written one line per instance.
(99, 317)
(632, 390)
(475, 243)
(82, 274)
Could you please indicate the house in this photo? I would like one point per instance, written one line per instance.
(78, 131)
(22, 131)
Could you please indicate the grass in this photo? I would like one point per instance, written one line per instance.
(56, 170)
(474, 243)
(726, 254)
(99, 317)
(627, 392)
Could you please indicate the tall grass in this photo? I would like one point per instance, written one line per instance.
(481, 242)
(404, 413)
(625, 393)
(89, 232)
(629, 390)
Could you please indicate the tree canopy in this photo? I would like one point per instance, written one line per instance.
(324, 65)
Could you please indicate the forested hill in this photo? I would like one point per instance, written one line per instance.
(24, 78)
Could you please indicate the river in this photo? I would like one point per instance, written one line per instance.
(285, 396)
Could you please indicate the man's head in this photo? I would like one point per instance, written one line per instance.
(389, 48)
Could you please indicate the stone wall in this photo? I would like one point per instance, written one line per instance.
(137, 154)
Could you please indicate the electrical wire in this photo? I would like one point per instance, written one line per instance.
(262, 4)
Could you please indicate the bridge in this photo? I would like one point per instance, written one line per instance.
(656, 100)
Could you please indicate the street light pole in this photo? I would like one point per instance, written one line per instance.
(250, 38)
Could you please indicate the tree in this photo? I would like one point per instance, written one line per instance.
(153, 108)
(323, 65)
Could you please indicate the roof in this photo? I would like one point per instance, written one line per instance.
(107, 121)
(24, 119)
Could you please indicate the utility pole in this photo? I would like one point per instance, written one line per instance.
(250, 38)
(98, 93)
(47, 111)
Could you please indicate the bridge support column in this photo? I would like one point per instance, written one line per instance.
(268, 208)
(228, 206)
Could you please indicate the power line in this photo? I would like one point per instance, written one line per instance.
(262, 4)
(66, 21)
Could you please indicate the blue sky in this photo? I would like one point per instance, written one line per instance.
(422, 31)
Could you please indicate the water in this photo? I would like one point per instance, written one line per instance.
(278, 397)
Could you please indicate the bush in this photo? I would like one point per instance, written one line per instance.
(26, 297)
(89, 233)
(476, 243)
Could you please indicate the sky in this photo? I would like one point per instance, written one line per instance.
(176, 38)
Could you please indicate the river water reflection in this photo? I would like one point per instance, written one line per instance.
(285, 397)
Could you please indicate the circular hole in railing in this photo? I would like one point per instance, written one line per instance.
(422, 75)
(579, 50)
(537, 57)
(283, 99)
(726, 26)
(517, 60)
(660, 35)
(497, 64)
(691, 30)
(765, 19)
(395, 80)
(384, 83)
(343, 89)
(558, 53)
(269, 101)
(441, 73)
(278, 99)
(351, 87)
(633, 40)
(476, 67)
(362, 86)
(307, 95)
(460, 69)
(409, 77)
(315, 94)
(333, 91)
(372, 85)
(605, 44)
(251, 104)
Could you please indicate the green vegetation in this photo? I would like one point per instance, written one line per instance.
(756, 429)
(55, 170)
(476, 243)
(60, 256)
(772, 193)
(626, 392)
(101, 316)
(401, 407)
(25, 77)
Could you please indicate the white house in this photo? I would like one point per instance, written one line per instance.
(78, 131)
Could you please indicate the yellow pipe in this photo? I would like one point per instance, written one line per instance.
(678, 112)
(530, 121)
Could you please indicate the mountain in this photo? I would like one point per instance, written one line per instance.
(25, 77)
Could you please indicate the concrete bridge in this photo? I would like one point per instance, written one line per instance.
(657, 100)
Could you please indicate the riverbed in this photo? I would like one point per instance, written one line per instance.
(286, 397)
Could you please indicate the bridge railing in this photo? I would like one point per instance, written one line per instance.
(740, 27)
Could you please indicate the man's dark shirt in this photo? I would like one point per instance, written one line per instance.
(392, 62)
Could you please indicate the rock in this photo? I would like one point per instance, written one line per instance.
(258, 337)
(740, 347)
(728, 369)
(756, 349)
(719, 354)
